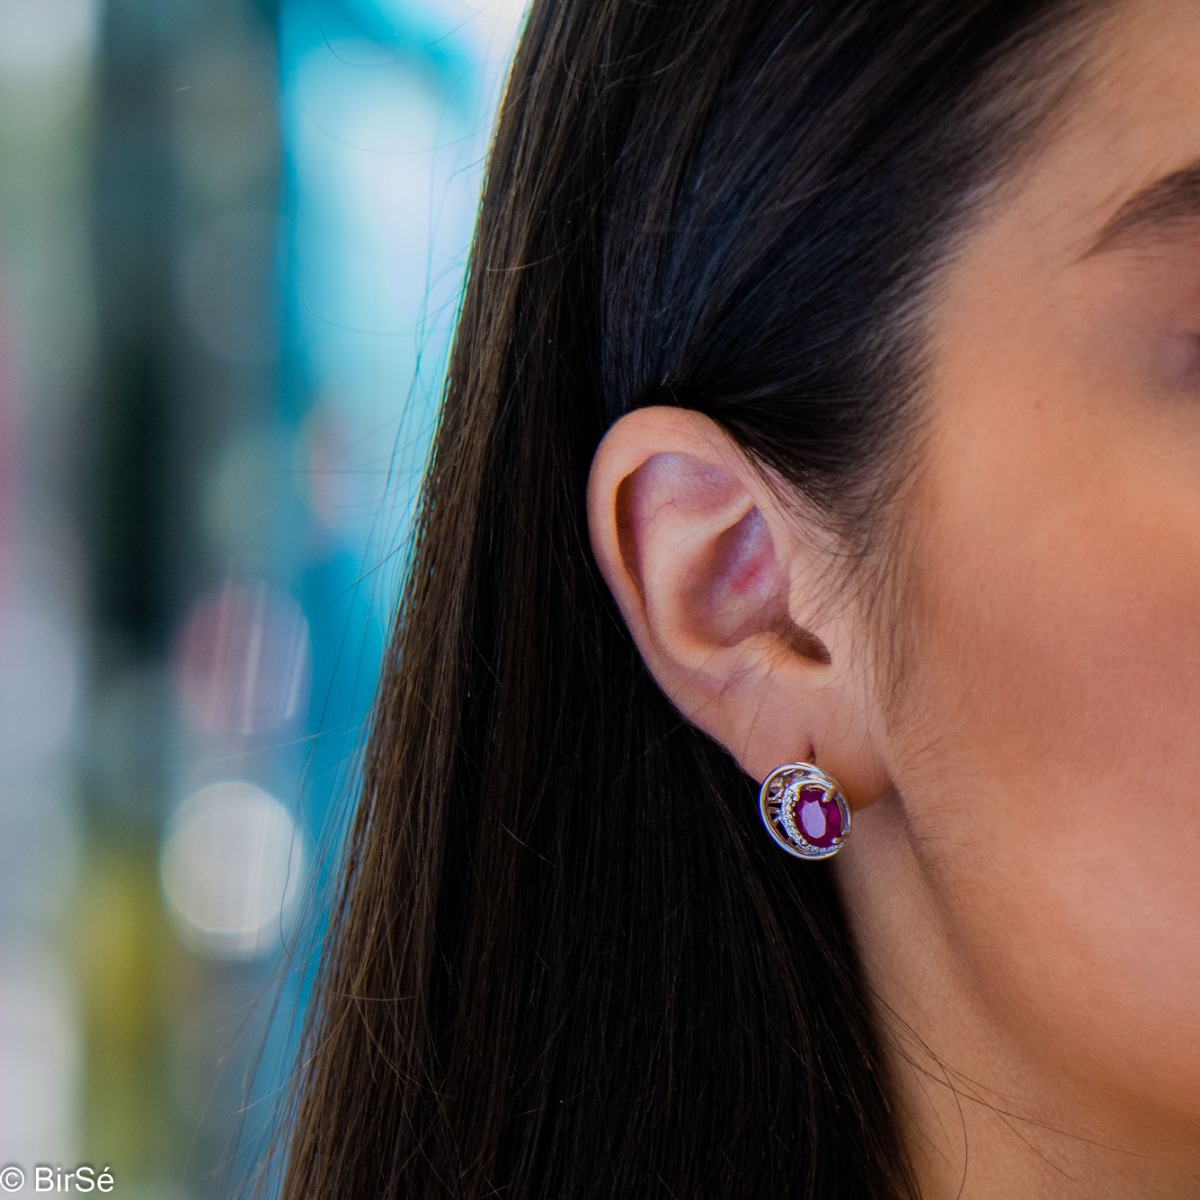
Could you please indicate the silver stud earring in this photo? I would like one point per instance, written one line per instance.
(804, 810)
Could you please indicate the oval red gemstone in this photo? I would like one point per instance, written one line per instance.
(819, 819)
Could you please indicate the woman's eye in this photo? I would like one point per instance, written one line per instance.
(1189, 357)
(1177, 360)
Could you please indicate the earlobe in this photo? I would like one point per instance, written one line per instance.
(718, 592)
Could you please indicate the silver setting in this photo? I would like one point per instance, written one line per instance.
(777, 800)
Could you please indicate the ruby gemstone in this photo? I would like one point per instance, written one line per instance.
(819, 818)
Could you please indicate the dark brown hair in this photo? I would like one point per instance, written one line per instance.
(564, 960)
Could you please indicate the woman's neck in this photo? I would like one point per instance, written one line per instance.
(984, 1117)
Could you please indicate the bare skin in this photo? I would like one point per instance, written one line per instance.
(1024, 874)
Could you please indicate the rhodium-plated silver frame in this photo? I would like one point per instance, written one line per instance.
(777, 803)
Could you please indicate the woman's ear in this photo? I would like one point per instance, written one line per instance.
(726, 597)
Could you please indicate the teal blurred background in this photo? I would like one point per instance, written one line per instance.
(232, 241)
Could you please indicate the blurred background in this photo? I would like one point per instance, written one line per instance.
(232, 242)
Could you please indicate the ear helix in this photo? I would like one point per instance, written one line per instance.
(804, 810)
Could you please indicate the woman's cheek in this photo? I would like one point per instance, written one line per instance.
(1065, 789)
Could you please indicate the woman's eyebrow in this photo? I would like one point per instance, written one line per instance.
(1154, 212)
